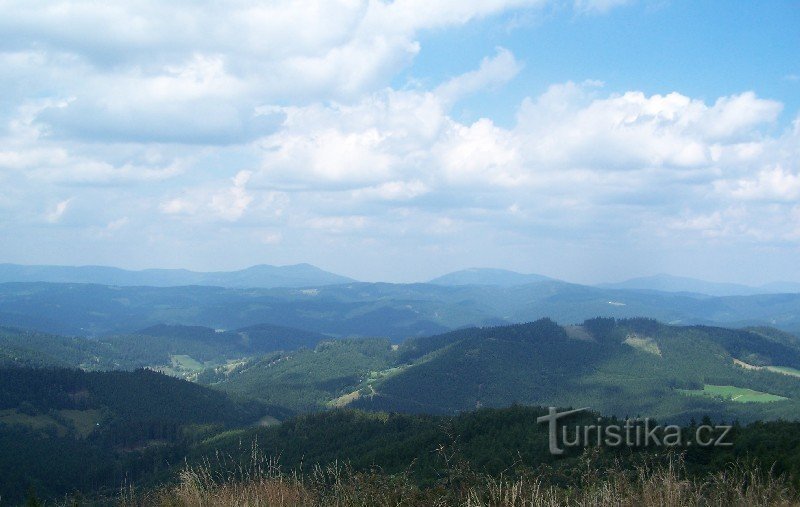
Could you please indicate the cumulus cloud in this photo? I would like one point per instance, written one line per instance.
(772, 184)
(146, 71)
(228, 204)
(573, 149)
(409, 136)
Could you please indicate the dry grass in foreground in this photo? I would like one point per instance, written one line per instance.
(263, 484)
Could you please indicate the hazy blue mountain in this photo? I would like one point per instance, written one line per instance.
(781, 287)
(488, 276)
(669, 283)
(298, 275)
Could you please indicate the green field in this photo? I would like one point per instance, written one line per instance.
(84, 421)
(732, 393)
(182, 366)
(36, 422)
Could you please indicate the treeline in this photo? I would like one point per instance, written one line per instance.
(495, 442)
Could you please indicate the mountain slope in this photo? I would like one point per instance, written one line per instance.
(298, 275)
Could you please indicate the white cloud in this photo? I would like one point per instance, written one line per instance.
(480, 154)
(492, 72)
(566, 126)
(566, 136)
(230, 204)
(117, 224)
(57, 212)
(148, 71)
(574, 148)
(772, 184)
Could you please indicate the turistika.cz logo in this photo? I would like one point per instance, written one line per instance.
(631, 433)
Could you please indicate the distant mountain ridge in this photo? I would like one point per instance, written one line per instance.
(262, 276)
(488, 276)
(669, 283)
(395, 311)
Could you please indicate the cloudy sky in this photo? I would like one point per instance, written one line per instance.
(593, 140)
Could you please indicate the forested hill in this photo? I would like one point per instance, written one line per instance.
(625, 367)
(63, 430)
(618, 367)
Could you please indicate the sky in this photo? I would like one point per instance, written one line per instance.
(588, 140)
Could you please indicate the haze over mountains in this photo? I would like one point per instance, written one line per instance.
(395, 311)
(307, 275)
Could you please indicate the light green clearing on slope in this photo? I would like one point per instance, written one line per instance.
(732, 393)
(784, 370)
(83, 422)
(643, 343)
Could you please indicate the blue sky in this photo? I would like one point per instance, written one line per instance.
(593, 140)
(703, 49)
